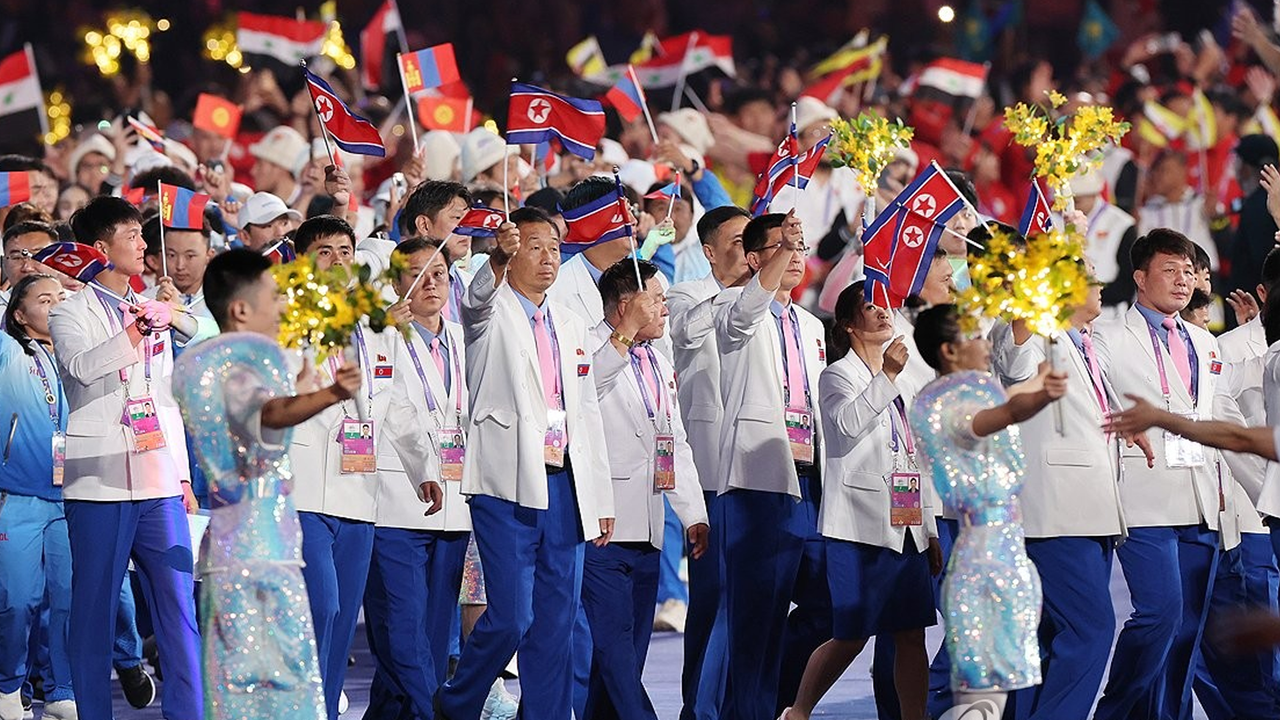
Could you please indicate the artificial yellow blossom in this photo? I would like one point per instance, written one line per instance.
(323, 308)
(1065, 147)
(1042, 283)
(866, 145)
(1057, 99)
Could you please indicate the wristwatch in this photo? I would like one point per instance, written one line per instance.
(629, 342)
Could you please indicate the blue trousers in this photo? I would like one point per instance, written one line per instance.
(409, 604)
(1170, 572)
(619, 586)
(703, 677)
(582, 659)
(126, 651)
(1077, 625)
(773, 556)
(670, 587)
(35, 564)
(336, 552)
(533, 579)
(104, 536)
(1240, 687)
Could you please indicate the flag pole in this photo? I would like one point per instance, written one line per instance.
(644, 105)
(466, 123)
(631, 232)
(324, 132)
(795, 163)
(408, 100)
(414, 285)
(164, 260)
(672, 202)
(506, 203)
(684, 72)
(400, 37)
(973, 106)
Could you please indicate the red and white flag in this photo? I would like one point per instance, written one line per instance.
(21, 100)
(687, 54)
(955, 78)
(374, 43)
(282, 39)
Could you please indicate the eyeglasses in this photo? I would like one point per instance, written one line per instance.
(802, 248)
(18, 255)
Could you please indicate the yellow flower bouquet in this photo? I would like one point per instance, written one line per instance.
(866, 145)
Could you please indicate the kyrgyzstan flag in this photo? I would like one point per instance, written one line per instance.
(437, 112)
(480, 221)
(182, 209)
(82, 262)
(217, 115)
(348, 130)
(1035, 215)
(374, 46)
(266, 39)
(536, 115)
(22, 113)
(15, 187)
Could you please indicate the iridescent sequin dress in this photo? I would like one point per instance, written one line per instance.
(991, 597)
(259, 645)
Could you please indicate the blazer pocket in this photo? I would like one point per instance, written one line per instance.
(863, 480)
(81, 427)
(502, 416)
(704, 413)
(758, 413)
(1068, 457)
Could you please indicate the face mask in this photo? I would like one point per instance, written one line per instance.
(959, 273)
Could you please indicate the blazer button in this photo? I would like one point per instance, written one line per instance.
(526, 418)
(637, 433)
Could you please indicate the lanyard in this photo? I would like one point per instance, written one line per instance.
(900, 411)
(117, 326)
(49, 397)
(555, 353)
(650, 407)
(1164, 377)
(1098, 392)
(786, 371)
(457, 371)
(364, 360)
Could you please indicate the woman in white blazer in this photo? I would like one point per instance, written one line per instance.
(878, 566)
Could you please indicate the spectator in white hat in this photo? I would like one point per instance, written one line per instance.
(482, 154)
(265, 219)
(689, 128)
(90, 163)
(440, 151)
(281, 156)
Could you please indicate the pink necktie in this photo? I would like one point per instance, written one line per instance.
(546, 360)
(650, 375)
(1095, 372)
(439, 358)
(1178, 351)
(795, 367)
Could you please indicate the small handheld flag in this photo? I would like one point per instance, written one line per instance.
(480, 221)
(599, 221)
(536, 115)
(350, 131)
(627, 97)
(81, 262)
(280, 253)
(430, 68)
(182, 209)
(217, 115)
(1035, 214)
(437, 112)
(15, 187)
(153, 136)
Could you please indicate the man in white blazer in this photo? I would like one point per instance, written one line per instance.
(537, 472)
(772, 353)
(649, 459)
(127, 479)
(697, 364)
(416, 571)
(1172, 502)
(336, 507)
(1071, 514)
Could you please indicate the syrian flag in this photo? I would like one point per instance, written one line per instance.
(536, 115)
(685, 55)
(348, 130)
(374, 49)
(22, 112)
(1035, 216)
(265, 39)
(480, 221)
(954, 78)
(81, 262)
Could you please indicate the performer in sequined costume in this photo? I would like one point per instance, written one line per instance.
(237, 395)
(991, 597)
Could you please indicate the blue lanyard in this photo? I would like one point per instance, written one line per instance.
(786, 372)
(54, 401)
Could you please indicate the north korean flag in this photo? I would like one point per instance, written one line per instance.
(182, 209)
(535, 115)
(480, 221)
(901, 242)
(1035, 215)
(599, 221)
(782, 159)
(82, 262)
(348, 130)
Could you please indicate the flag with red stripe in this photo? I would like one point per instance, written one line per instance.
(374, 45)
(599, 221)
(1036, 218)
(536, 115)
(82, 262)
(348, 130)
(182, 209)
(480, 221)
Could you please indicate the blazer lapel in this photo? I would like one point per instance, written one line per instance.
(1141, 330)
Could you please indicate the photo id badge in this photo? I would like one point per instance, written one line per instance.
(1180, 452)
(144, 424)
(59, 457)
(664, 466)
(800, 433)
(453, 449)
(904, 499)
(357, 447)
(553, 446)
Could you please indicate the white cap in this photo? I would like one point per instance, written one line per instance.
(691, 126)
(811, 111)
(637, 175)
(263, 207)
(149, 160)
(1088, 184)
(182, 156)
(441, 150)
(612, 152)
(482, 150)
(95, 143)
(283, 146)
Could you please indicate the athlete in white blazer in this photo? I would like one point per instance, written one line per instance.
(576, 288)
(534, 501)
(1171, 503)
(772, 354)
(649, 458)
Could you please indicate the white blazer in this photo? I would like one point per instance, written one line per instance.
(858, 418)
(1161, 496)
(1072, 482)
(631, 444)
(100, 462)
(320, 486)
(575, 288)
(397, 500)
(697, 364)
(755, 453)
(1241, 400)
(508, 424)
(1269, 497)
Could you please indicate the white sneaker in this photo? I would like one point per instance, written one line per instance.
(11, 705)
(343, 702)
(500, 705)
(670, 616)
(61, 710)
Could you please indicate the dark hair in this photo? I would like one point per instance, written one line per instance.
(1201, 260)
(167, 174)
(527, 215)
(685, 194)
(1168, 154)
(548, 198)
(848, 310)
(980, 236)
(99, 219)
(619, 281)
(427, 200)
(11, 326)
(151, 233)
(321, 226)
(712, 219)
(964, 184)
(17, 163)
(935, 327)
(740, 97)
(588, 190)
(23, 212)
(1271, 318)
(1161, 241)
(29, 226)
(1271, 269)
(1199, 299)
(227, 276)
(418, 244)
(756, 234)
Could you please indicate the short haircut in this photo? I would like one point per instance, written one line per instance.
(740, 97)
(548, 198)
(1271, 269)
(588, 190)
(619, 281)
(151, 233)
(710, 222)
(1161, 241)
(528, 215)
(418, 244)
(965, 185)
(685, 194)
(98, 220)
(229, 275)
(1166, 155)
(17, 163)
(980, 236)
(1201, 260)
(756, 234)
(935, 327)
(321, 226)
(167, 174)
(427, 200)
(30, 226)
(1199, 299)
(23, 212)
